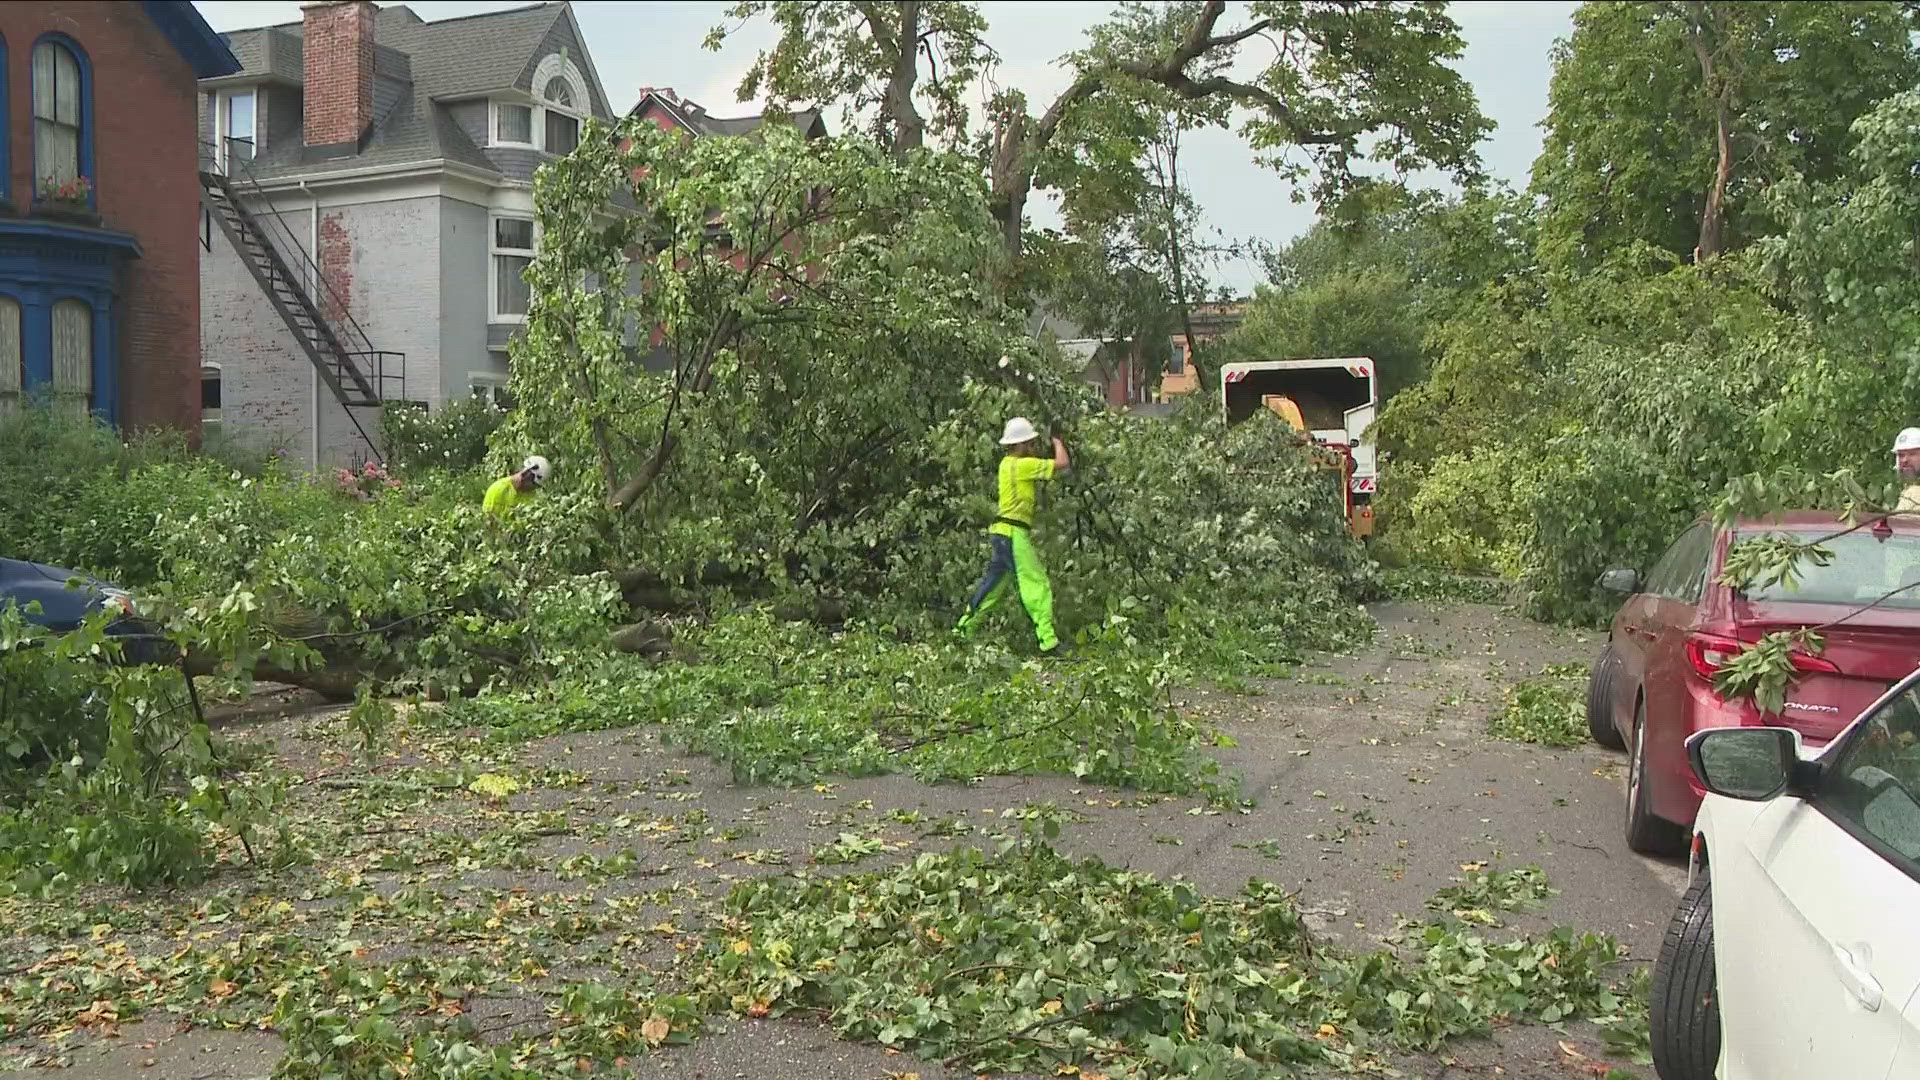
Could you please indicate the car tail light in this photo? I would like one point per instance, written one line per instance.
(1818, 665)
(120, 601)
(1708, 653)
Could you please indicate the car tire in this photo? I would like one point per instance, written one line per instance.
(1683, 1014)
(1600, 703)
(1646, 833)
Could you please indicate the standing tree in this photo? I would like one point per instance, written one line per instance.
(1669, 117)
(867, 54)
(1349, 83)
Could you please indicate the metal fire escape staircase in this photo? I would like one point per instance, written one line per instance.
(358, 375)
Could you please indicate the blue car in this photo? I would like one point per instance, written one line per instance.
(63, 608)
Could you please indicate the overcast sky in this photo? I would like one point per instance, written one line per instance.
(657, 43)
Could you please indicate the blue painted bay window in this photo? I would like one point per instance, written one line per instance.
(59, 287)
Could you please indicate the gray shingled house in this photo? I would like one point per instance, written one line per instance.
(367, 182)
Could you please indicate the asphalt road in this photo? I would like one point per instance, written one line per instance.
(1374, 781)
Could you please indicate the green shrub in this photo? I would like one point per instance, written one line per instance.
(452, 437)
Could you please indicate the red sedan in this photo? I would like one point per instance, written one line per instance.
(1652, 686)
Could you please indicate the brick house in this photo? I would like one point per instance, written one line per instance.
(671, 112)
(668, 111)
(99, 253)
(368, 187)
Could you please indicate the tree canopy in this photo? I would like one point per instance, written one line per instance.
(1668, 120)
(1349, 85)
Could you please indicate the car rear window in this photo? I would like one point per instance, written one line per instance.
(1864, 568)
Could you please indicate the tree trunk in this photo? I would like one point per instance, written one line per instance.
(1017, 146)
(909, 129)
(336, 680)
(1011, 179)
(1174, 259)
(1700, 16)
(1713, 218)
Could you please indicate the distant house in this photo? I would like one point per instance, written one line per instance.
(99, 311)
(368, 187)
(1209, 321)
(671, 112)
(1122, 370)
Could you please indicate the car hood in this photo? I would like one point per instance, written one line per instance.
(61, 608)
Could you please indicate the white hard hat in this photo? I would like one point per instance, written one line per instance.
(536, 467)
(1907, 440)
(1019, 430)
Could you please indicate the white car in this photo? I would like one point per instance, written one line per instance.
(1795, 952)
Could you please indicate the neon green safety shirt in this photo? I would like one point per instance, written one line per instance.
(502, 497)
(1018, 475)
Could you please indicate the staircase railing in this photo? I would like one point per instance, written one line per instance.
(376, 371)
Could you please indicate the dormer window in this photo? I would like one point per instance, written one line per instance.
(546, 117)
(563, 116)
(512, 124)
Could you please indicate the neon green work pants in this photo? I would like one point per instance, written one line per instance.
(1014, 556)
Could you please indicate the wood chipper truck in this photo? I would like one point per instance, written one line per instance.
(1330, 402)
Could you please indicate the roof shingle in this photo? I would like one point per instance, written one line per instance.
(419, 64)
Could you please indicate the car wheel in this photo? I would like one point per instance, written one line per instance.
(1646, 834)
(1683, 1014)
(1600, 703)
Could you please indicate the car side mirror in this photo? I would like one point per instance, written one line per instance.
(1750, 763)
(1625, 582)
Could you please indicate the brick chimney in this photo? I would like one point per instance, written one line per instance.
(338, 60)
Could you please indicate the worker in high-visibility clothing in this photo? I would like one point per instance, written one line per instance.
(514, 488)
(1906, 462)
(1010, 549)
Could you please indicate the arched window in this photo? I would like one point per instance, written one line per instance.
(563, 123)
(564, 102)
(59, 117)
(72, 357)
(13, 362)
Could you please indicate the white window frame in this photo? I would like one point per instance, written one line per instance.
(48, 112)
(487, 385)
(210, 369)
(222, 118)
(494, 105)
(494, 251)
(558, 66)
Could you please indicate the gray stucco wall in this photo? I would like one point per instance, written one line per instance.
(388, 255)
(498, 335)
(464, 281)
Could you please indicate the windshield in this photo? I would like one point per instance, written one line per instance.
(1864, 568)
